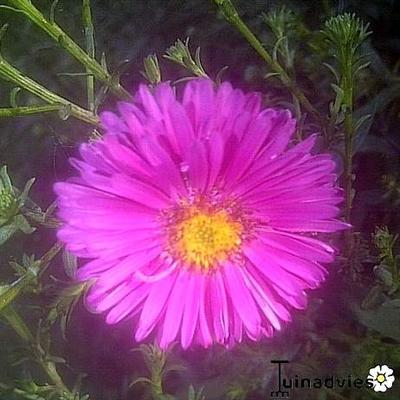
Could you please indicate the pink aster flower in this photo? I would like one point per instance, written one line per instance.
(196, 215)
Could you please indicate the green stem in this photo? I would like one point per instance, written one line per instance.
(17, 323)
(157, 368)
(10, 73)
(51, 371)
(22, 111)
(42, 219)
(156, 387)
(347, 85)
(348, 129)
(48, 257)
(55, 32)
(232, 16)
(20, 327)
(90, 48)
(13, 290)
(297, 109)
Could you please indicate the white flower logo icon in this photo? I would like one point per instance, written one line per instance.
(382, 378)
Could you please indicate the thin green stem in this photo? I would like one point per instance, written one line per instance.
(55, 32)
(42, 219)
(347, 86)
(157, 365)
(22, 111)
(18, 324)
(232, 16)
(349, 131)
(90, 49)
(48, 257)
(297, 109)
(12, 291)
(10, 73)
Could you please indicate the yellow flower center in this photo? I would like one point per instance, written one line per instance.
(204, 238)
(381, 378)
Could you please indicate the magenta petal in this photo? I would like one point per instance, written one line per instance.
(242, 298)
(307, 270)
(262, 299)
(128, 304)
(297, 245)
(248, 149)
(191, 310)
(174, 310)
(154, 306)
(198, 166)
(112, 122)
(198, 100)
(273, 273)
(215, 158)
(298, 225)
(93, 269)
(219, 307)
(283, 127)
(124, 270)
(204, 331)
(146, 99)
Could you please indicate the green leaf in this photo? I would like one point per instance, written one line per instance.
(374, 298)
(13, 319)
(70, 262)
(361, 121)
(384, 319)
(24, 195)
(333, 70)
(376, 105)
(5, 181)
(6, 232)
(152, 69)
(3, 31)
(9, 292)
(19, 222)
(13, 96)
(65, 304)
(22, 224)
(271, 75)
(140, 380)
(56, 360)
(191, 393)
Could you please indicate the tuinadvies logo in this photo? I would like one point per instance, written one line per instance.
(380, 379)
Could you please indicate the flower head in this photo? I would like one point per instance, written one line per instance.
(381, 377)
(196, 218)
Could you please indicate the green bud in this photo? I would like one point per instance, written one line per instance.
(180, 54)
(8, 205)
(383, 238)
(344, 35)
(151, 69)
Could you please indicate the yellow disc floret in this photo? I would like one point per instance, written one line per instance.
(381, 378)
(203, 238)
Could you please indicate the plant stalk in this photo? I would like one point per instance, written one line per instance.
(90, 49)
(231, 15)
(55, 32)
(347, 86)
(10, 73)
(29, 110)
(20, 327)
